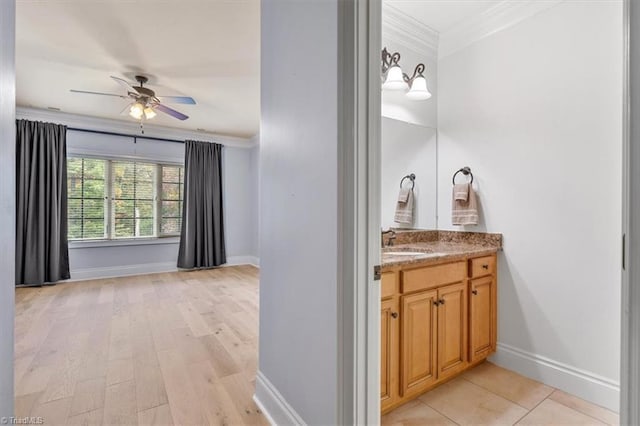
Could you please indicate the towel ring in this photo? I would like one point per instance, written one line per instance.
(466, 170)
(412, 178)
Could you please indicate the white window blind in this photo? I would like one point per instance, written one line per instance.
(121, 199)
(86, 192)
(133, 199)
(171, 200)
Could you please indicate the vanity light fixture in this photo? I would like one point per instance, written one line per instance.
(395, 79)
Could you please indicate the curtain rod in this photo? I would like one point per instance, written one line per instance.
(135, 137)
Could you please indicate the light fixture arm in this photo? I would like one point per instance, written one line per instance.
(417, 72)
(389, 60)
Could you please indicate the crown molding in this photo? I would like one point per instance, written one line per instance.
(128, 127)
(499, 17)
(408, 32)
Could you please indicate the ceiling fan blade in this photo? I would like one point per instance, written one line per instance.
(98, 93)
(177, 100)
(125, 84)
(170, 111)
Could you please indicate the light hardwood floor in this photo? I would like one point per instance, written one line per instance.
(176, 348)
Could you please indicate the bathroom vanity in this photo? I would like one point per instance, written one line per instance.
(438, 310)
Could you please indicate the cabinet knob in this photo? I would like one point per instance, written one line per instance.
(474, 291)
(442, 301)
(394, 315)
(485, 266)
(435, 303)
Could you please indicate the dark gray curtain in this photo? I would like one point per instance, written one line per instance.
(202, 237)
(42, 253)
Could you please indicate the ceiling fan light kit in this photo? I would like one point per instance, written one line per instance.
(395, 80)
(145, 103)
(136, 110)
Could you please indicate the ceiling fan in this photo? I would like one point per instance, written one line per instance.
(144, 101)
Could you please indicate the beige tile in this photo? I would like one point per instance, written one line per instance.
(553, 413)
(585, 407)
(512, 386)
(414, 413)
(467, 403)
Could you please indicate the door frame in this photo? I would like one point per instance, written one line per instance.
(359, 195)
(630, 312)
(366, 155)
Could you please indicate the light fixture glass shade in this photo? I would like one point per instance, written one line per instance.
(394, 80)
(136, 110)
(419, 90)
(149, 113)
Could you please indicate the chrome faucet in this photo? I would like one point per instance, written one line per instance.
(391, 238)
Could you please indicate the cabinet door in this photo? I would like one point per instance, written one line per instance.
(389, 352)
(452, 329)
(483, 318)
(418, 341)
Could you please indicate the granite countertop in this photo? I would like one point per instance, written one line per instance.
(436, 246)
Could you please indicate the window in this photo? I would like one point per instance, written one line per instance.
(118, 199)
(171, 201)
(86, 198)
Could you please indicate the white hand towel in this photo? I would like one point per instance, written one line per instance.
(404, 210)
(464, 212)
(403, 195)
(461, 191)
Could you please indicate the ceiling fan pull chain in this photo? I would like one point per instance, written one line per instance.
(141, 127)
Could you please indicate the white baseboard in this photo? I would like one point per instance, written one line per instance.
(584, 384)
(146, 268)
(243, 260)
(121, 271)
(273, 405)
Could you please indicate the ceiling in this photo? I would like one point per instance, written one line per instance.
(206, 49)
(442, 15)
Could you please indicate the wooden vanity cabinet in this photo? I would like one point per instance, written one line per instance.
(389, 341)
(433, 325)
(419, 328)
(483, 309)
(436, 321)
(452, 329)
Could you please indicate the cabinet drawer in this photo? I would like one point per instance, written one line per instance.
(389, 285)
(482, 266)
(433, 276)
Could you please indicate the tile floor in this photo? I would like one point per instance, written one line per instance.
(490, 395)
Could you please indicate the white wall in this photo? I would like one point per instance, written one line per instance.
(7, 203)
(255, 206)
(103, 259)
(409, 148)
(298, 378)
(536, 112)
(239, 196)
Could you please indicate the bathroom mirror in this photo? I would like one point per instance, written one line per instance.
(409, 148)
